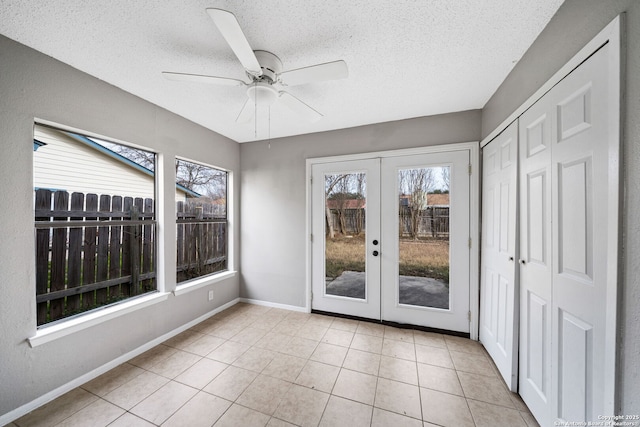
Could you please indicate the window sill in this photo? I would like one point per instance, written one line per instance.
(194, 284)
(50, 333)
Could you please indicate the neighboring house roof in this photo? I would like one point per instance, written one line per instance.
(37, 144)
(432, 199)
(346, 203)
(438, 199)
(104, 150)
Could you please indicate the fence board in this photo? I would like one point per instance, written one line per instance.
(189, 250)
(136, 240)
(102, 260)
(126, 246)
(91, 287)
(58, 254)
(115, 247)
(180, 234)
(89, 262)
(147, 243)
(43, 201)
(74, 274)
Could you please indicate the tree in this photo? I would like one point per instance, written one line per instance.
(340, 188)
(144, 158)
(445, 175)
(416, 184)
(201, 179)
(330, 182)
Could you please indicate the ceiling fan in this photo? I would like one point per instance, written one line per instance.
(264, 69)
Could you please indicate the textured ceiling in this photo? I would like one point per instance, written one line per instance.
(406, 58)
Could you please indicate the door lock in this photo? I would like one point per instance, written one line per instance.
(375, 253)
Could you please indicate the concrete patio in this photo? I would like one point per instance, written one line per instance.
(420, 291)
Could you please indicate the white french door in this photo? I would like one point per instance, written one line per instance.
(425, 277)
(390, 238)
(345, 266)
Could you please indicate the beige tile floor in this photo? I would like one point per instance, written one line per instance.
(257, 366)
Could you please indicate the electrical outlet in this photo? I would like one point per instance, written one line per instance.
(210, 295)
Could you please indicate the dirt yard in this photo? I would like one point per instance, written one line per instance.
(422, 258)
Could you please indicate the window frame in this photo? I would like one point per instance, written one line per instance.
(124, 299)
(215, 276)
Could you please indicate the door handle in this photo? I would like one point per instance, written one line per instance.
(523, 262)
(510, 258)
(375, 242)
(376, 253)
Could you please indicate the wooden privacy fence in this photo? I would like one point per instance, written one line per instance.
(430, 222)
(348, 221)
(201, 239)
(91, 251)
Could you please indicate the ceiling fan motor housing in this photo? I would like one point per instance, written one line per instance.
(262, 93)
(270, 64)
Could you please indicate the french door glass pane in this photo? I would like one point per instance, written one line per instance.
(423, 217)
(345, 250)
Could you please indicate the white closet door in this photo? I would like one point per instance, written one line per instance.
(499, 292)
(582, 153)
(569, 184)
(536, 260)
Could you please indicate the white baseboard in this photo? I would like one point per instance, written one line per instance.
(274, 305)
(48, 397)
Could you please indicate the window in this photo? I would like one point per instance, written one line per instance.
(94, 223)
(201, 212)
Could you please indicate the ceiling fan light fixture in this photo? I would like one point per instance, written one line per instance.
(262, 94)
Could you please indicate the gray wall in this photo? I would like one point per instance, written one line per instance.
(273, 197)
(575, 23)
(33, 85)
(274, 194)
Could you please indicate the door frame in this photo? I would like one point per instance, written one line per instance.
(473, 147)
(613, 34)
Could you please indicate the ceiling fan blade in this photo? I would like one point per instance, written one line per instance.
(316, 73)
(197, 78)
(247, 112)
(232, 33)
(299, 107)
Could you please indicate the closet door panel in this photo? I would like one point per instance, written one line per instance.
(535, 261)
(499, 292)
(581, 161)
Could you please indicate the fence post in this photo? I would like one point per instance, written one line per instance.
(135, 251)
(180, 241)
(432, 222)
(199, 242)
(147, 245)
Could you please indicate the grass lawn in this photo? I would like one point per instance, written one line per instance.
(422, 258)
